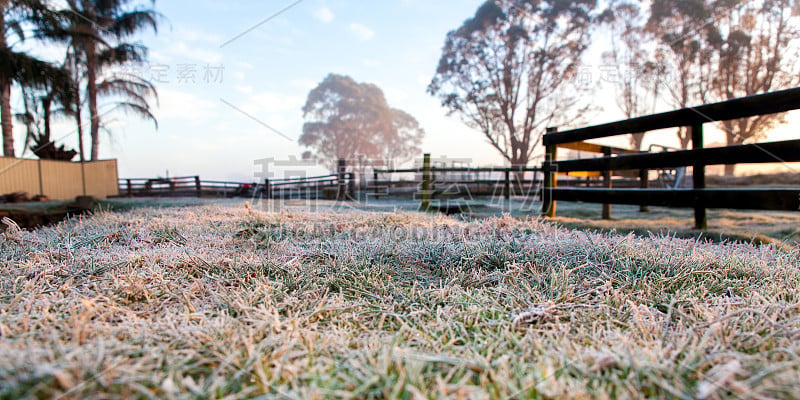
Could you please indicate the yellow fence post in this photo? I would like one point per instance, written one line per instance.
(425, 205)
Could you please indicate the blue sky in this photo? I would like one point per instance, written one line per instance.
(217, 94)
(268, 72)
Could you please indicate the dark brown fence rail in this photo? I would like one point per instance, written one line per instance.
(161, 187)
(458, 182)
(330, 187)
(314, 187)
(699, 197)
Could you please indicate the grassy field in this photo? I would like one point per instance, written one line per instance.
(226, 301)
(759, 227)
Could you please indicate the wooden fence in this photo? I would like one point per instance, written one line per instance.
(316, 187)
(58, 180)
(699, 197)
(461, 182)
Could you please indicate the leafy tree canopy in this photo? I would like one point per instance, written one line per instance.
(352, 120)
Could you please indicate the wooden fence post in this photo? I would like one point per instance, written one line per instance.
(351, 185)
(198, 186)
(550, 179)
(699, 179)
(607, 184)
(83, 176)
(644, 183)
(267, 189)
(41, 181)
(342, 167)
(426, 182)
(130, 187)
(507, 188)
(375, 182)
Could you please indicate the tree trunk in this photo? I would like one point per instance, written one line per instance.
(731, 139)
(519, 176)
(685, 137)
(79, 127)
(91, 93)
(519, 162)
(5, 114)
(5, 96)
(636, 141)
(47, 104)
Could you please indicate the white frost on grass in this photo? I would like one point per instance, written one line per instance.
(216, 301)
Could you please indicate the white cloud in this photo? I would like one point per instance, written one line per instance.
(244, 89)
(304, 84)
(270, 102)
(239, 75)
(157, 57)
(362, 32)
(243, 64)
(185, 43)
(324, 14)
(394, 95)
(183, 105)
(187, 34)
(371, 63)
(195, 53)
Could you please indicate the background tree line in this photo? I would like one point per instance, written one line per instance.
(97, 37)
(510, 71)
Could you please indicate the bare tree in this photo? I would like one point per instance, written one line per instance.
(636, 73)
(351, 120)
(756, 52)
(510, 70)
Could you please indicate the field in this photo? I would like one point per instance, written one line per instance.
(223, 300)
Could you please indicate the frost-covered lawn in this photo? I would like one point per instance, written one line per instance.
(221, 300)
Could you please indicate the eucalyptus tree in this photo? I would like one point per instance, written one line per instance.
(352, 120)
(680, 28)
(511, 70)
(757, 50)
(724, 49)
(636, 72)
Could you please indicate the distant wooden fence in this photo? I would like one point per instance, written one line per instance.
(315, 187)
(458, 182)
(58, 180)
(699, 197)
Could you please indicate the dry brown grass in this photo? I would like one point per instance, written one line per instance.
(226, 302)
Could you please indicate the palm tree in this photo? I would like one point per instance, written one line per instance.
(97, 32)
(19, 67)
(41, 106)
(129, 93)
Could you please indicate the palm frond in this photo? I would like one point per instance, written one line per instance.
(30, 71)
(132, 22)
(16, 28)
(123, 53)
(137, 110)
(128, 85)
